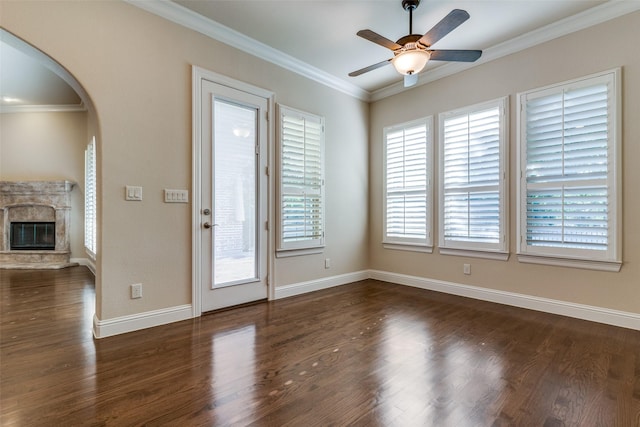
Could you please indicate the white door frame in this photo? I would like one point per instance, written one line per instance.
(198, 75)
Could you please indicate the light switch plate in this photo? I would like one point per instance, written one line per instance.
(176, 196)
(133, 193)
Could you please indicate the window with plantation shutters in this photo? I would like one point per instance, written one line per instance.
(301, 172)
(90, 229)
(407, 191)
(569, 184)
(472, 179)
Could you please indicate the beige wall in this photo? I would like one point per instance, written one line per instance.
(47, 147)
(603, 47)
(136, 67)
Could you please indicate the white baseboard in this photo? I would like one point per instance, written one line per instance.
(580, 311)
(89, 263)
(134, 322)
(319, 284)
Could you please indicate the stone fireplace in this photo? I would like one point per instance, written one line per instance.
(35, 224)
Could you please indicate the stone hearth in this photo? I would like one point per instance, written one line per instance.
(36, 201)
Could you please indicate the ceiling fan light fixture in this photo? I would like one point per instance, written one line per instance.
(410, 61)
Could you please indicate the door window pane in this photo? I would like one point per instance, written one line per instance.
(235, 193)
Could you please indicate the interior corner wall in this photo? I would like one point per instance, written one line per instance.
(47, 146)
(136, 67)
(599, 48)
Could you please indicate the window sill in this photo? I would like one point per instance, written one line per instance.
(612, 266)
(408, 247)
(286, 253)
(499, 256)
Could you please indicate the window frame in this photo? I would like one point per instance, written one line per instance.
(90, 199)
(308, 245)
(499, 250)
(405, 243)
(611, 259)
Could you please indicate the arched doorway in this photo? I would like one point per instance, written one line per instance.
(49, 132)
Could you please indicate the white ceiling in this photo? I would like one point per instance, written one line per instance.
(26, 81)
(323, 33)
(318, 37)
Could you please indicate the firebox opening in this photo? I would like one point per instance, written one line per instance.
(33, 236)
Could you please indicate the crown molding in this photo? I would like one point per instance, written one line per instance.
(596, 15)
(196, 22)
(42, 108)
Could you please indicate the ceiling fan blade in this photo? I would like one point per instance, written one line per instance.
(410, 79)
(455, 55)
(444, 27)
(378, 39)
(369, 68)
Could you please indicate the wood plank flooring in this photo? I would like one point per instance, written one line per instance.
(364, 354)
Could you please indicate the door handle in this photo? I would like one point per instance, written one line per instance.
(207, 225)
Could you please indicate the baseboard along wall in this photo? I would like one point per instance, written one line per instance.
(579, 311)
(124, 324)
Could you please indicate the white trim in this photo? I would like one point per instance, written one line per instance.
(42, 108)
(135, 322)
(607, 316)
(286, 253)
(498, 256)
(86, 262)
(319, 284)
(197, 75)
(196, 22)
(408, 247)
(588, 18)
(613, 266)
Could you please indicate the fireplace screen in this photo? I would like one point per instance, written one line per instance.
(33, 236)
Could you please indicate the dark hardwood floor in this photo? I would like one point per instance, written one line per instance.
(366, 354)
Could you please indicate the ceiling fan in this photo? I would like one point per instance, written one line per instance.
(412, 52)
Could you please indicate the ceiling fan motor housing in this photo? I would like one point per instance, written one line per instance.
(411, 38)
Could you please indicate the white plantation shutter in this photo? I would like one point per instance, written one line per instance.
(568, 163)
(407, 195)
(90, 229)
(472, 177)
(301, 180)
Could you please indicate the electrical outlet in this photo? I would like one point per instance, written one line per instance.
(136, 291)
(327, 263)
(466, 269)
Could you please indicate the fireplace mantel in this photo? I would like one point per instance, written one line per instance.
(35, 201)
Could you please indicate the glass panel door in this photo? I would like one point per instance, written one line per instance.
(235, 194)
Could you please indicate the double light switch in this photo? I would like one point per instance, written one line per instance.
(133, 193)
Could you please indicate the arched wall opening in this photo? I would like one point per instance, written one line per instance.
(49, 142)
